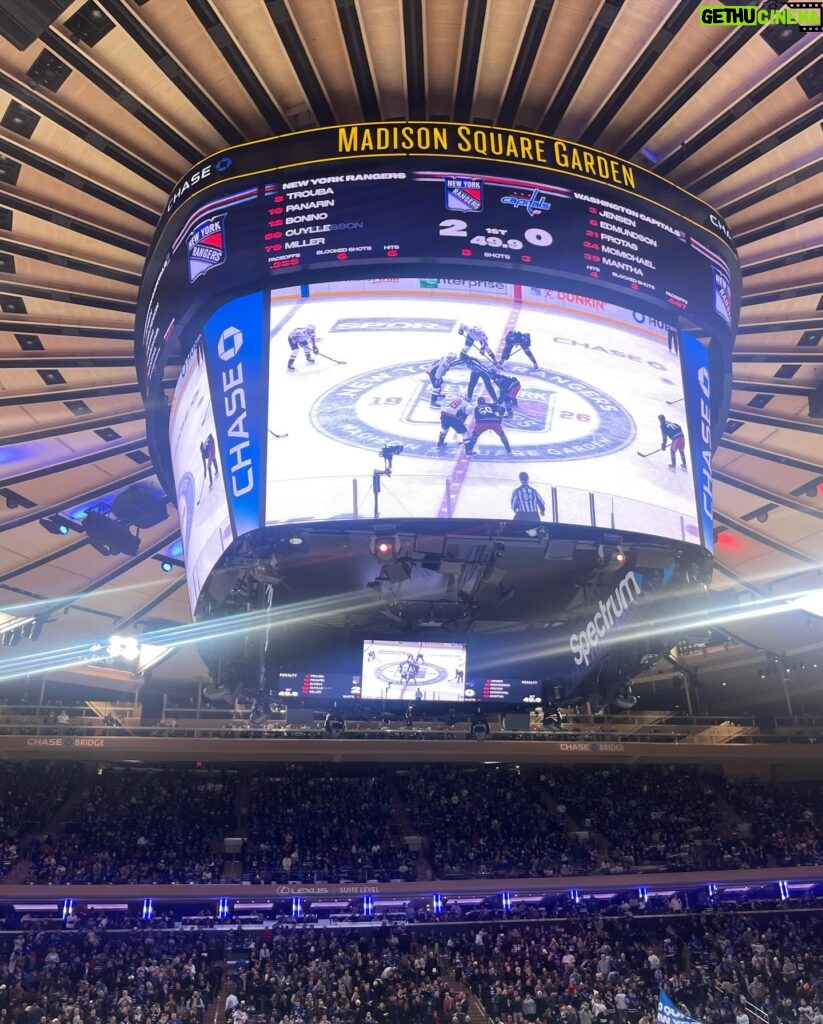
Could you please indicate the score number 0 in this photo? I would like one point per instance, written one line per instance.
(455, 228)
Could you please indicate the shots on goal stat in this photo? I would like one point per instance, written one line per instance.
(392, 363)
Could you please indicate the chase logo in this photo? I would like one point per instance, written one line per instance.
(229, 343)
(562, 419)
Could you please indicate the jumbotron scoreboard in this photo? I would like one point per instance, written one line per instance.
(453, 200)
(310, 285)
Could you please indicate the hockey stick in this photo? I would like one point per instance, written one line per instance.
(202, 488)
(645, 455)
(323, 354)
(674, 401)
(278, 436)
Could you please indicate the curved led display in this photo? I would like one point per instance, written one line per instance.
(399, 320)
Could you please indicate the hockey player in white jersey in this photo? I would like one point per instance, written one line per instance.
(476, 336)
(437, 373)
(302, 338)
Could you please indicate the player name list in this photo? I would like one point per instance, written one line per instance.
(319, 216)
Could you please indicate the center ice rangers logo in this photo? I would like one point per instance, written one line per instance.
(206, 246)
(558, 418)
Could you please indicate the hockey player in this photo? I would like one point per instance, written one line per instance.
(305, 338)
(488, 416)
(437, 372)
(673, 432)
(521, 340)
(454, 417)
(208, 453)
(509, 388)
(476, 336)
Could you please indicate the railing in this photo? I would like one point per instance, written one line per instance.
(190, 722)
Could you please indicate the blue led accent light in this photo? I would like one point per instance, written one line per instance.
(296, 906)
(68, 906)
(437, 903)
(507, 900)
(148, 909)
(368, 906)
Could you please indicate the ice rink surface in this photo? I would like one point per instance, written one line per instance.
(393, 670)
(581, 418)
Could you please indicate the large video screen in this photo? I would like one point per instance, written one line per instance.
(447, 199)
(432, 399)
(202, 507)
(423, 671)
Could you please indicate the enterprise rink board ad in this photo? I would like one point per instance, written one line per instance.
(465, 385)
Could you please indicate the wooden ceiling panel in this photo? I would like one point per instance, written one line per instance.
(798, 152)
(675, 65)
(319, 29)
(804, 195)
(253, 30)
(568, 26)
(384, 45)
(205, 64)
(443, 31)
(124, 61)
(634, 25)
(498, 52)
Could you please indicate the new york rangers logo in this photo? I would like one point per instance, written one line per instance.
(206, 246)
(464, 194)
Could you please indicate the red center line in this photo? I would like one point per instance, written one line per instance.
(458, 475)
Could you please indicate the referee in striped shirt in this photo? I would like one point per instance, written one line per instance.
(527, 504)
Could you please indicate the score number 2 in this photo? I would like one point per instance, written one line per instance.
(454, 228)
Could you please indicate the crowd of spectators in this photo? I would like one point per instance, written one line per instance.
(777, 825)
(723, 967)
(141, 826)
(90, 976)
(665, 817)
(309, 826)
(315, 824)
(490, 821)
(28, 800)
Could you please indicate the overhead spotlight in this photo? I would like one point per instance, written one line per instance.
(58, 525)
(109, 536)
(762, 517)
(479, 728)
(166, 566)
(125, 647)
(296, 540)
(498, 549)
(384, 549)
(334, 725)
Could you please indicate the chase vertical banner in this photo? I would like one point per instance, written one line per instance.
(237, 363)
(698, 391)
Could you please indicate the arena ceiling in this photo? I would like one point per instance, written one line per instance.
(104, 104)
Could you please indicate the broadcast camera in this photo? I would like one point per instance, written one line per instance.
(389, 451)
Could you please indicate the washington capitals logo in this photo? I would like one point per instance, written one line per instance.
(533, 202)
(206, 246)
